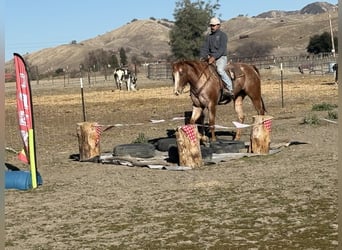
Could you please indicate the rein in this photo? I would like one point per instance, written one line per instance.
(199, 90)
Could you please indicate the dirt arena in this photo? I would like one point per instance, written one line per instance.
(286, 200)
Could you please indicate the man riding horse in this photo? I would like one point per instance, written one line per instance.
(214, 50)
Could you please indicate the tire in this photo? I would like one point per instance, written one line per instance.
(173, 155)
(141, 150)
(227, 146)
(206, 152)
(165, 143)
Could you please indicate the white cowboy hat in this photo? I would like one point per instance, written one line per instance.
(214, 21)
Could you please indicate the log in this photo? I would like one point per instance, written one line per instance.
(188, 144)
(260, 134)
(88, 134)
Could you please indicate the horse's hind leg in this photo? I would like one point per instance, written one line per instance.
(241, 117)
(212, 114)
(259, 105)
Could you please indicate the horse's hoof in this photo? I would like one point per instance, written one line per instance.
(204, 139)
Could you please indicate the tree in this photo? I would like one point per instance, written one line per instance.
(123, 57)
(191, 22)
(321, 43)
(114, 62)
(90, 60)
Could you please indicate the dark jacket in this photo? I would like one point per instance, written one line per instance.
(215, 45)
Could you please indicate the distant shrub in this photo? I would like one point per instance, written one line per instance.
(323, 107)
(141, 138)
(59, 71)
(311, 119)
(332, 115)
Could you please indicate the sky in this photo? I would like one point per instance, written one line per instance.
(32, 25)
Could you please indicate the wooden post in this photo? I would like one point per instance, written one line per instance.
(189, 149)
(260, 134)
(88, 134)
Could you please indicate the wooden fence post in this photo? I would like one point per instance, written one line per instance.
(189, 149)
(260, 135)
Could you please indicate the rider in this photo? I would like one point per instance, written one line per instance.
(215, 51)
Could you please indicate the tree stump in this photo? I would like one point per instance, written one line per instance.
(188, 144)
(260, 135)
(88, 134)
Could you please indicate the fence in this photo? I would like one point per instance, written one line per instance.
(321, 63)
(159, 71)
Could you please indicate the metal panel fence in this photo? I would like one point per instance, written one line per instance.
(321, 64)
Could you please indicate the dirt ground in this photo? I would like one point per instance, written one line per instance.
(286, 200)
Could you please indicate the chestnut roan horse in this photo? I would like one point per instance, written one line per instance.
(206, 85)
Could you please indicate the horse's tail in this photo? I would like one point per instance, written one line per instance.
(263, 105)
(262, 100)
(256, 70)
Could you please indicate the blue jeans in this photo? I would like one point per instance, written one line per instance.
(221, 63)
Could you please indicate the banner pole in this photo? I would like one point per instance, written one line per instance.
(32, 159)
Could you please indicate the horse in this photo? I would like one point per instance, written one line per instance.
(206, 89)
(118, 77)
(122, 76)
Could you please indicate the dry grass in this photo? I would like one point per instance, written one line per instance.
(282, 201)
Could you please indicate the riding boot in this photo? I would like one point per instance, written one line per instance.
(228, 92)
(226, 96)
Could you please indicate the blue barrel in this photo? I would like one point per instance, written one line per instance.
(20, 180)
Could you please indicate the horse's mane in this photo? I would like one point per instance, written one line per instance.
(202, 67)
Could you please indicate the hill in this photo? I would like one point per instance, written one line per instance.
(289, 33)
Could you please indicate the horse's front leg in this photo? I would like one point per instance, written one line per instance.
(241, 117)
(196, 114)
(212, 115)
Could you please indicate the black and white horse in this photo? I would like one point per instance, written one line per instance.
(125, 76)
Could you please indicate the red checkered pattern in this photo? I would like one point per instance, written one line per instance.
(189, 130)
(99, 130)
(268, 125)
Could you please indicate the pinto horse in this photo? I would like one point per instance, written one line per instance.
(206, 88)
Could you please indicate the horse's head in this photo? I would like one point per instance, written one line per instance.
(179, 77)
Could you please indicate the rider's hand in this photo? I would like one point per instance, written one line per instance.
(211, 60)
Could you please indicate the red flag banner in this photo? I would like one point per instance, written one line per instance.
(24, 107)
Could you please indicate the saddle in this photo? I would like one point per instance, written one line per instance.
(225, 95)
